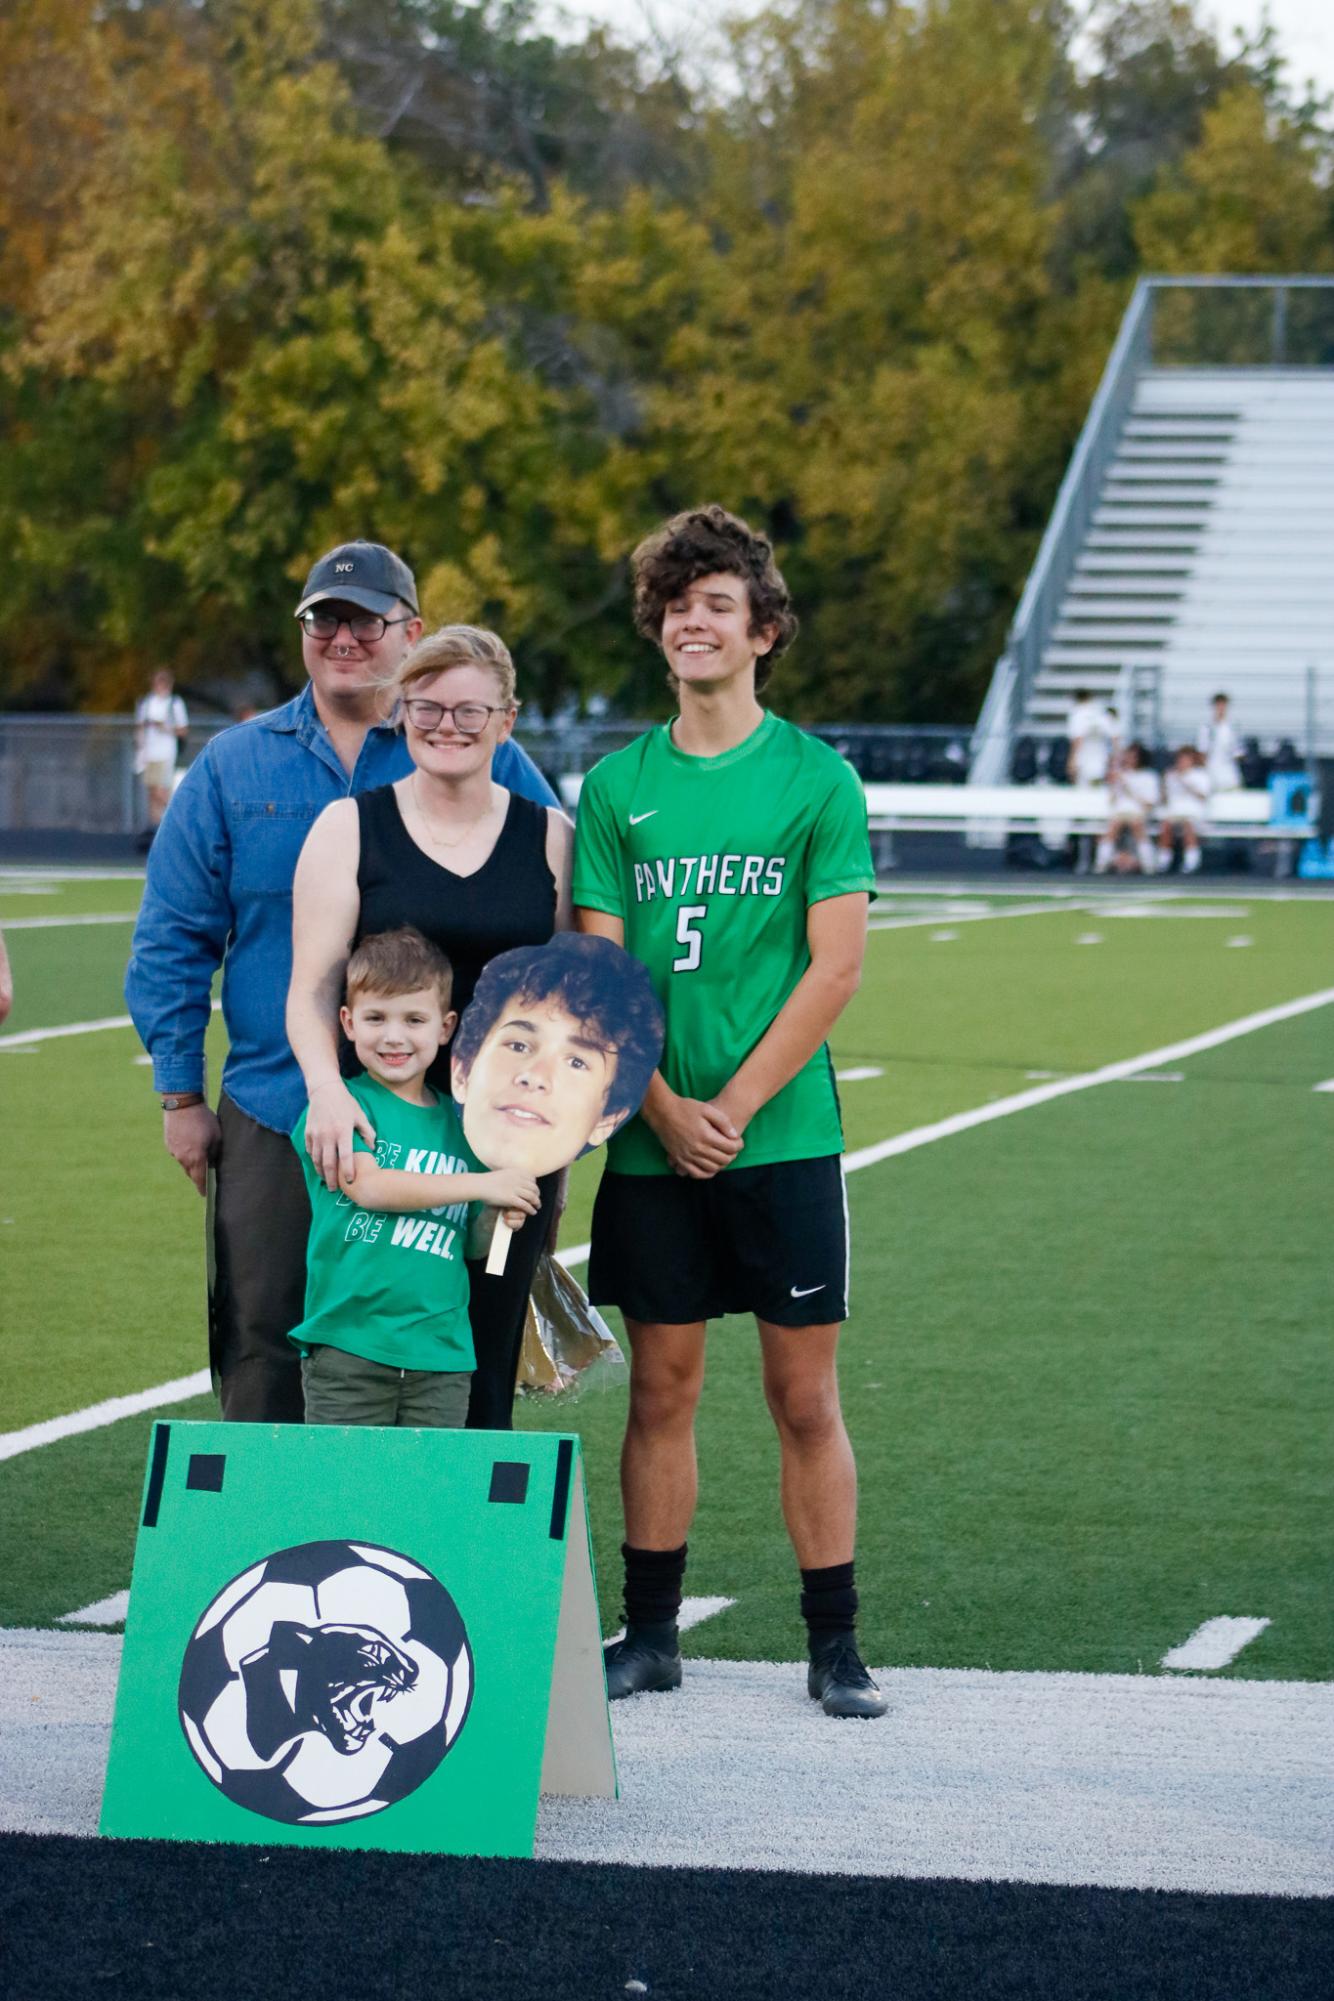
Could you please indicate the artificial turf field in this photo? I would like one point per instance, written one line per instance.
(1086, 1372)
(1087, 1381)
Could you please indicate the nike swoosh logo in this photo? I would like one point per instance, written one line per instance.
(804, 1292)
(635, 818)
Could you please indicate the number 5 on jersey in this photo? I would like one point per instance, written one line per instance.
(687, 934)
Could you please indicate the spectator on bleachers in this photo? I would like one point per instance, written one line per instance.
(1091, 728)
(1186, 790)
(1134, 795)
(1220, 747)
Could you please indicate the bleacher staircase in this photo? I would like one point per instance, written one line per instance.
(1192, 550)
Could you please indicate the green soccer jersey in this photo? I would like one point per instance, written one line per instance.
(391, 1289)
(711, 863)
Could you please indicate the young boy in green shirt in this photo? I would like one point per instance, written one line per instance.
(385, 1338)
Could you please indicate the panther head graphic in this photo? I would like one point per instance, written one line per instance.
(325, 1678)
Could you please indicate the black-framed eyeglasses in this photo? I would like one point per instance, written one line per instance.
(366, 628)
(468, 718)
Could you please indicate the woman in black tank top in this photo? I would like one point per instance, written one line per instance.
(510, 900)
(478, 870)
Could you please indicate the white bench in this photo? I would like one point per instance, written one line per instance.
(1054, 811)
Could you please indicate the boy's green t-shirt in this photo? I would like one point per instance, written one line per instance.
(391, 1288)
(711, 863)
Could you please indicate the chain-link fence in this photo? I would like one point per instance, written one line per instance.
(76, 773)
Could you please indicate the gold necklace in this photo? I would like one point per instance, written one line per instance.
(440, 840)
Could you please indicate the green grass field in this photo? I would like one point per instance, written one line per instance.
(1087, 1371)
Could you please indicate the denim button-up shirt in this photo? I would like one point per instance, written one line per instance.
(219, 892)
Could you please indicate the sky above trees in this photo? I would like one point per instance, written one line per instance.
(278, 273)
(1305, 27)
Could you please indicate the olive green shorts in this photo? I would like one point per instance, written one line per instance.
(347, 1389)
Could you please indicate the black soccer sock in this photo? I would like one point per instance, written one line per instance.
(653, 1580)
(828, 1601)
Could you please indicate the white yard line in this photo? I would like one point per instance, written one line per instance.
(60, 923)
(1328, 1085)
(693, 1612)
(106, 1612)
(52, 1429)
(29, 1036)
(46, 1433)
(1064, 1087)
(18, 873)
(1047, 909)
(96, 1415)
(1215, 1643)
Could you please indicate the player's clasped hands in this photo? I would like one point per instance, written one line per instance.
(514, 1192)
(698, 1138)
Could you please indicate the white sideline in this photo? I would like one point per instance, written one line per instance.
(47, 1433)
(1133, 1781)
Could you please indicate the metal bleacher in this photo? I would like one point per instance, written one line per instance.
(1191, 549)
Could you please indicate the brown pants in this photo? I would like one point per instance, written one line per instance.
(259, 1220)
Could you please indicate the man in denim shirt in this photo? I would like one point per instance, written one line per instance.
(219, 892)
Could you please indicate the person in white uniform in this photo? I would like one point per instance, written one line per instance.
(160, 723)
(1091, 728)
(1219, 745)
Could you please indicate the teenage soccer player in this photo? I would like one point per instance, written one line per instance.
(728, 851)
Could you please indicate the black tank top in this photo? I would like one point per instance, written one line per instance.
(511, 900)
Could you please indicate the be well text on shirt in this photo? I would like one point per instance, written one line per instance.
(411, 1233)
(702, 875)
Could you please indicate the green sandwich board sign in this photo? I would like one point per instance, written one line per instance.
(358, 1639)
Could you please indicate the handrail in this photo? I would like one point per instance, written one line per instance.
(1080, 489)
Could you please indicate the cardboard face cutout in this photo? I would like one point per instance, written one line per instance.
(554, 1052)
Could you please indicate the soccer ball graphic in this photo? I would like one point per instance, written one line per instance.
(326, 1682)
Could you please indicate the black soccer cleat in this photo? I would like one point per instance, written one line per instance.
(838, 1681)
(647, 1659)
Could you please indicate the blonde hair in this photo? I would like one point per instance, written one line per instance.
(457, 646)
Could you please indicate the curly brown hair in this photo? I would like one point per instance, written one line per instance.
(703, 542)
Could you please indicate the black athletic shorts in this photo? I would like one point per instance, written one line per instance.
(770, 1240)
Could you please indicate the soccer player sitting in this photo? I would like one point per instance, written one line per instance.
(728, 851)
(1133, 797)
(1186, 802)
(385, 1339)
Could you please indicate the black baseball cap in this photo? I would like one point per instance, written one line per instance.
(364, 573)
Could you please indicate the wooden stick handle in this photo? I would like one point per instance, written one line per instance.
(500, 1245)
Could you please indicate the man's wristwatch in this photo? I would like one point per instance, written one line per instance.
(177, 1101)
